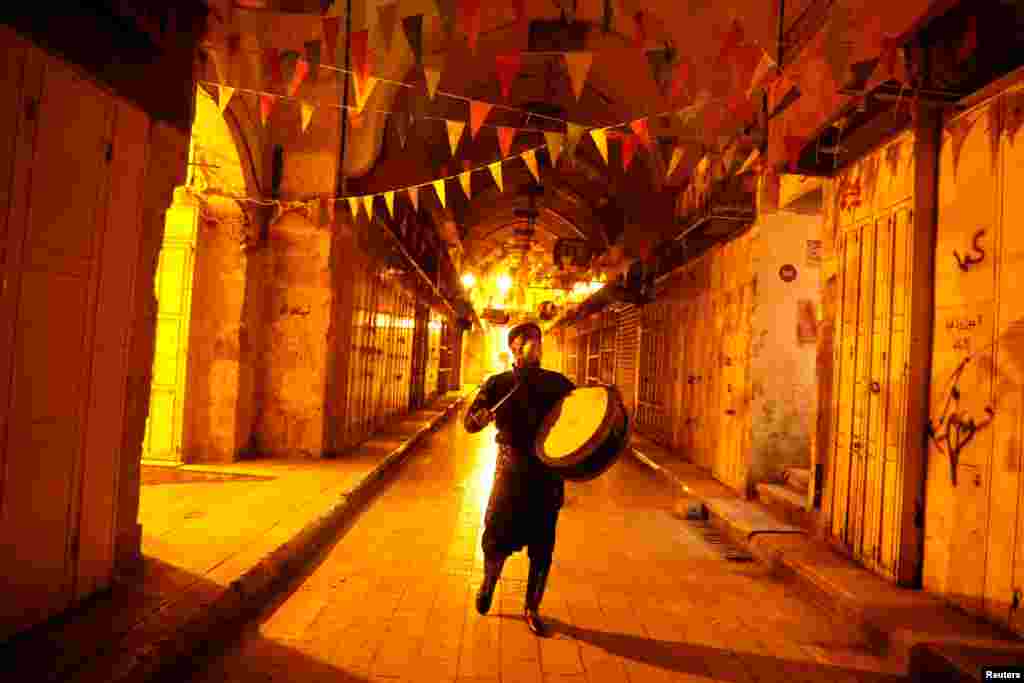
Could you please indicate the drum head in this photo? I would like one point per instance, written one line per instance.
(580, 421)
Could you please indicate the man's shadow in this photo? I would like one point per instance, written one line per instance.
(703, 660)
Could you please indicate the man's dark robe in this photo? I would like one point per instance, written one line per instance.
(527, 495)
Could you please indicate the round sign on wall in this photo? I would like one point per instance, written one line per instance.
(787, 273)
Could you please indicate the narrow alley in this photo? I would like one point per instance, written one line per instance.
(635, 595)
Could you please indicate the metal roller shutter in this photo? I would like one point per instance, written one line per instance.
(627, 348)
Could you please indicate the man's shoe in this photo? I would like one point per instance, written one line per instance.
(485, 595)
(535, 623)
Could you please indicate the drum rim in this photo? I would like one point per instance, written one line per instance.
(590, 476)
(600, 434)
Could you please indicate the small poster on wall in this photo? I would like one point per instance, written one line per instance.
(814, 253)
(806, 322)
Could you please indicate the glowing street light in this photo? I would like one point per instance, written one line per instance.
(504, 283)
(468, 280)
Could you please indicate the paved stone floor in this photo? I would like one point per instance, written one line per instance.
(636, 595)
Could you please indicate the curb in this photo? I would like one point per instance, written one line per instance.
(214, 617)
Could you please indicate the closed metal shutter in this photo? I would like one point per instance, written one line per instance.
(626, 349)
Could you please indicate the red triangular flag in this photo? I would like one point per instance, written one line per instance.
(330, 32)
(266, 105)
(508, 67)
(299, 75)
(642, 131)
(478, 112)
(628, 148)
(505, 137)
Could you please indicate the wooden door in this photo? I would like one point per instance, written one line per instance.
(55, 235)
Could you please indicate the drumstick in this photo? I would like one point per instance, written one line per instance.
(498, 404)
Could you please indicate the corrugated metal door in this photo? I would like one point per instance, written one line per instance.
(653, 415)
(627, 348)
(571, 362)
(874, 247)
(419, 357)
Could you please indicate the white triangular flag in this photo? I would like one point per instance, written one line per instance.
(389, 199)
(600, 136)
(307, 115)
(555, 142)
(530, 157)
(464, 180)
(414, 197)
(439, 188)
(578, 64)
(368, 203)
(353, 204)
(433, 79)
(224, 97)
(455, 129)
(495, 169)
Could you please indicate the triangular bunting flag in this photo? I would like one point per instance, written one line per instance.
(363, 91)
(368, 204)
(433, 79)
(439, 189)
(355, 117)
(266, 105)
(478, 112)
(469, 16)
(465, 181)
(508, 67)
(505, 137)
(642, 131)
(389, 199)
(628, 148)
(330, 32)
(677, 156)
(359, 47)
(386, 16)
(413, 27)
(353, 205)
(307, 114)
(298, 76)
(414, 197)
(224, 97)
(573, 133)
(530, 157)
(495, 169)
(455, 129)
(749, 163)
(578, 64)
(555, 142)
(600, 136)
(728, 157)
(764, 67)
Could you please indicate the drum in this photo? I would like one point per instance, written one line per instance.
(584, 433)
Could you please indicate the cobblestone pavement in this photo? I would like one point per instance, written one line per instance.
(635, 595)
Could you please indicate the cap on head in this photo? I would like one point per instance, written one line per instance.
(519, 330)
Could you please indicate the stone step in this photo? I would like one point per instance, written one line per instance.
(797, 478)
(785, 502)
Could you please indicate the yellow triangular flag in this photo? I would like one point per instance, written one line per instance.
(433, 79)
(455, 129)
(389, 199)
(573, 132)
(363, 92)
(600, 136)
(307, 115)
(555, 142)
(464, 179)
(496, 172)
(439, 189)
(578, 64)
(368, 203)
(224, 97)
(530, 158)
(353, 204)
(414, 197)
(677, 156)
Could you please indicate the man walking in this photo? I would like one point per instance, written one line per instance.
(527, 495)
